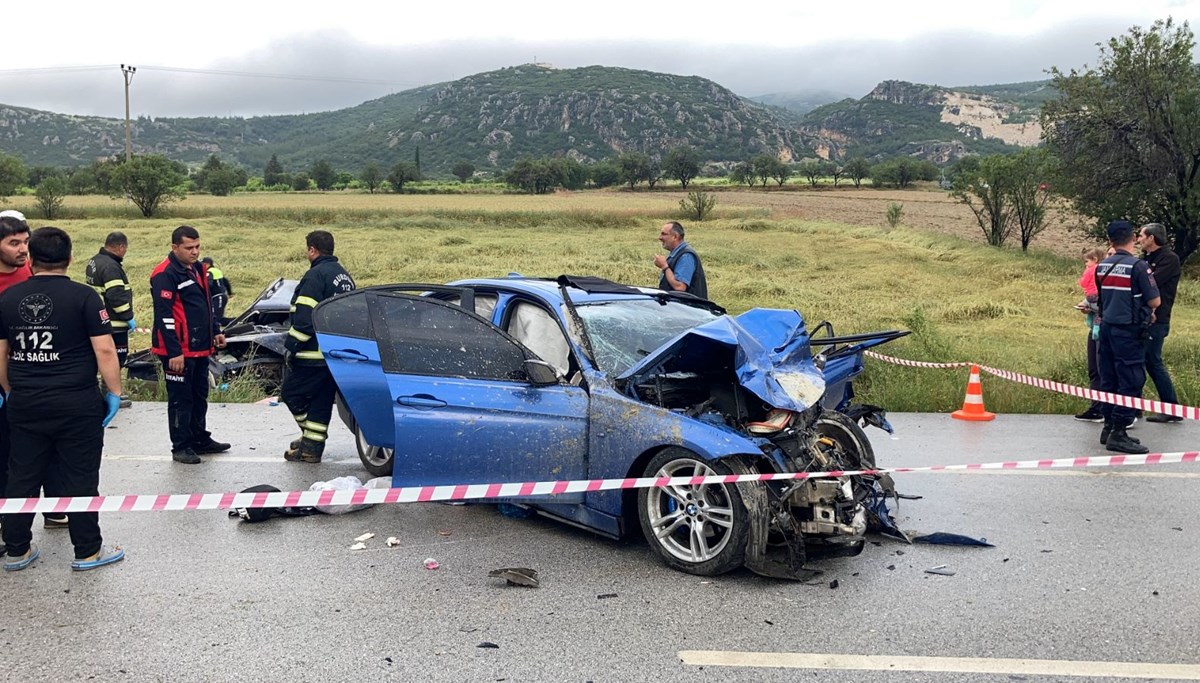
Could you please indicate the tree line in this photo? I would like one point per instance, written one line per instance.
(1121, 140)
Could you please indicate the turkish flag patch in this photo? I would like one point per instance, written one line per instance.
(166, 294)
(103, 315)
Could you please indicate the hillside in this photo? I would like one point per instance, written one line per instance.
(490, 119)
(929, 121)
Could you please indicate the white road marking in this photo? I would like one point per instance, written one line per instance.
(1033, 667)
(224, 458)
(1077, 473)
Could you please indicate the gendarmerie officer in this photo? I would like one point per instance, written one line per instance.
(54, 337)
(105, 274)
(1128, 297)
(308, 389)
(185, 332)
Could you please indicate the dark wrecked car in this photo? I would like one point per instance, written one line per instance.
(253, 343)
(523, 379)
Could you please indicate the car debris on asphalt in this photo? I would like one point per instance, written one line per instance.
(517, 576)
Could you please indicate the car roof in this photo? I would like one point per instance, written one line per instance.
(547, 289)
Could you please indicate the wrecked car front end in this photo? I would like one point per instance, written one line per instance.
(753, 379)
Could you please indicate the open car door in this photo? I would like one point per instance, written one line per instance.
(453, 390)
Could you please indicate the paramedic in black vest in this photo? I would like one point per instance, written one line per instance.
(308, 389)
(185, 332)
(54, 337)
(105, 274)
(1128, 297)
(681, 269)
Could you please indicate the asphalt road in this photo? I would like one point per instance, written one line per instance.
(1090, 566)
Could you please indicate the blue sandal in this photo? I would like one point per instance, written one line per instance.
(106, 555)
(16, 564)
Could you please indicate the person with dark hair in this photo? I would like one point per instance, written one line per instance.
(105, 274)
(1127, 299)
(1164, 265)
(308, 390)
(220, 288)
(185, 332)
(54, 338)
(681, 270)
(14, 269)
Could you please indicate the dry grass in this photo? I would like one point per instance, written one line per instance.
(966, 301)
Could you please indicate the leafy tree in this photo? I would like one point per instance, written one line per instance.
(835, 171)
(323, 174)
(604, 174)
(273, 173)
(371, 176)
(900, 172)
(635, 168)
(654, 172)
(1029, 173)
(463, 170)
(811, 170)
(682, 164)
(743, 173)
(536, 176)
(857, 169)
(343, 180)
(37, 173)
(301, 182)
(400, 174)
(149, 181)
(50, 193)
(13, 174)
(764, 167)
(571, 174)
(1127, 132)
(221, 182)
(781, 172)
(988, 194)
(83, 180)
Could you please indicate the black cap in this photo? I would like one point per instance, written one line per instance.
(1119, 231)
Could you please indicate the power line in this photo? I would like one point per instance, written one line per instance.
(212, 72)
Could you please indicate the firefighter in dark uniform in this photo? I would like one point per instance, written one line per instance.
(220, 288)
(1128, 297)
(106, 275)
(308, 390)
(54, 338)
(185, 332)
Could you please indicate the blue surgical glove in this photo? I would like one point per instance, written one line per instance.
(3, 398)
(113, 402)
(132, 324)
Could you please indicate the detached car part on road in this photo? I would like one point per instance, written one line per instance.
(253, 343)
(524, 379)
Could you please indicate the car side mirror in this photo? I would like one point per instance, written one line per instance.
(540, 373)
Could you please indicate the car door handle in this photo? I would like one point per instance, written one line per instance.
(421, 401)
(347, 354)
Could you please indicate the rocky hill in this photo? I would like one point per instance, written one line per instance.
(491, 119)
(940, 124)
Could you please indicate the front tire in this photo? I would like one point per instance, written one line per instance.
(696, 529)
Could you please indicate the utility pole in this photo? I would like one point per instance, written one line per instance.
(128, 72)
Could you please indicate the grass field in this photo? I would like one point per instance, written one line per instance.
(827, 254)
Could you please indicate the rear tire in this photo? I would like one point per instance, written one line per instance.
(700, 530)
(375, 459)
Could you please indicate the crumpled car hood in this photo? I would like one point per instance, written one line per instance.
(772, 357)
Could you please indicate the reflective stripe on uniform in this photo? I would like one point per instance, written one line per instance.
(119, 324)
(316, 427)
(310, 355)
(122, 308)
(306, 301)
(300, 418)
(299, 335)
(314, 436)
(115, 283)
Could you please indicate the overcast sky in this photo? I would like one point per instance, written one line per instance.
(318, 57)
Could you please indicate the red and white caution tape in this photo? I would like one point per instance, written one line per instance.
(422, 494)
(1186, 412)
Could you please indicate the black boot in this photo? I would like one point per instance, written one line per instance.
(309, 451)
(1120, 442)
(1108, 429)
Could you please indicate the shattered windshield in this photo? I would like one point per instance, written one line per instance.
(624, 332)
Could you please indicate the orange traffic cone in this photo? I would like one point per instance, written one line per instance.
(973, 402)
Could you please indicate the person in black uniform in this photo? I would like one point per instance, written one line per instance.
(308, 389)
(54, 337)
(185, 331)
(1164, 265)
(1128, 297)
(219, 287)
(106, 275)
